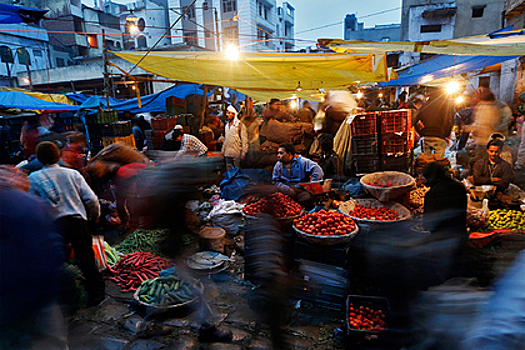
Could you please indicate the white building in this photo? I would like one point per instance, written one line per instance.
(22, 47)
(151, 23)
(257, 25)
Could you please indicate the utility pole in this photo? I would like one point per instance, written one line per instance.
(217, 34)
(106, 75)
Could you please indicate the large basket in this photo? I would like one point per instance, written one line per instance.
(401, 183)
(327, 240)
(348, 206)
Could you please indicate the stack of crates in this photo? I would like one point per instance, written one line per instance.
(395, 139)
(175, 106)
(365, 142)
(161, 126)
(104, 129)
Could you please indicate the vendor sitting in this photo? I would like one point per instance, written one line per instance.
(177, 140)
(492, 170)
(292, 169)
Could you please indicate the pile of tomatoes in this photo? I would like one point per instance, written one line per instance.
(325, 223)
(364, 318)
(380, 184)
(374, 213)
(277, 204)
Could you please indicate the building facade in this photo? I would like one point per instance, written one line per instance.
(257, 25)
(355, 30)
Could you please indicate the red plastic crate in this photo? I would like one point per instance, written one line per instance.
(395, 143)
(157, 137)
(365, 145)
(395, 121)
(365, 124)
(159, 123)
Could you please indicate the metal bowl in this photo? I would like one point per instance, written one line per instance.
(327, 240)
(479, 193)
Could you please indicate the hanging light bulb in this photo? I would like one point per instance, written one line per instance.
(459, 100)
(299, 87)
(359, 95)
(293, 104)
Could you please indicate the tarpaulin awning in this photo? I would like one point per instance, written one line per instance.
(10, 14)
(150, 103)
(41, 96)
(81, 98)
(505, 43)
(442, 66)
(20, 100)
(261, 75)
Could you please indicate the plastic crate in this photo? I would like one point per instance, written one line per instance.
(175, 101)
(365, 145)
(395, 121)
(157, 136)
(175, 110)
(392, 144)
(159, 123)
(395, 163)
(117, 129)
(130, 140)
(103, 117)
(365, 164)
(365, 124)
(182, 119)
(367, 338)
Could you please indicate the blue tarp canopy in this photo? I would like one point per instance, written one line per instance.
(10, 14)
(442, 66)
(20, 100)
(150, 103)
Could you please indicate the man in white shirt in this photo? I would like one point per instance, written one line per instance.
(235, 144)
(72, 204)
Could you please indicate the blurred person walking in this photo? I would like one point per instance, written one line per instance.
(31, 258)
(72, 204)
(434, 123)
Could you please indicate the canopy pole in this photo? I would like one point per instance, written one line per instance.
(106, 75)
(137, 90)
(204, 106)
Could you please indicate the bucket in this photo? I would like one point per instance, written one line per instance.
(212, 238)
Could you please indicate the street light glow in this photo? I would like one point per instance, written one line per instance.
(232, 52)
(459, 99)
(293, 104)
(452, 87)
(359, 95)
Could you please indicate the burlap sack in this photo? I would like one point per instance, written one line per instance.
(276, 131)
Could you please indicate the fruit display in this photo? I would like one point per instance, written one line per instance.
(143, 241)
(375, 213)
(364, 318)
(325, 223)
(277, 204)
(381, 184)
(506, 219)
(165, 291)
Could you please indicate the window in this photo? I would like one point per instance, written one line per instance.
(229, 5)
(263, 36)
(37, 53)
(6, 54)
(61, 62)
(191, 37)
(191, 12)
(22, 54)
(484, 82)
(141, 41)
(431, 28)
(385, 39)
(477, 11)
(92, 41)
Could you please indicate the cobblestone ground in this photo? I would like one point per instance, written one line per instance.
(119, 322)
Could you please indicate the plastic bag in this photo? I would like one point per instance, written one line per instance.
(101, 259)
(477, 213)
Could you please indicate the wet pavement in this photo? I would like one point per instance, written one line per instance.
(120, 323)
